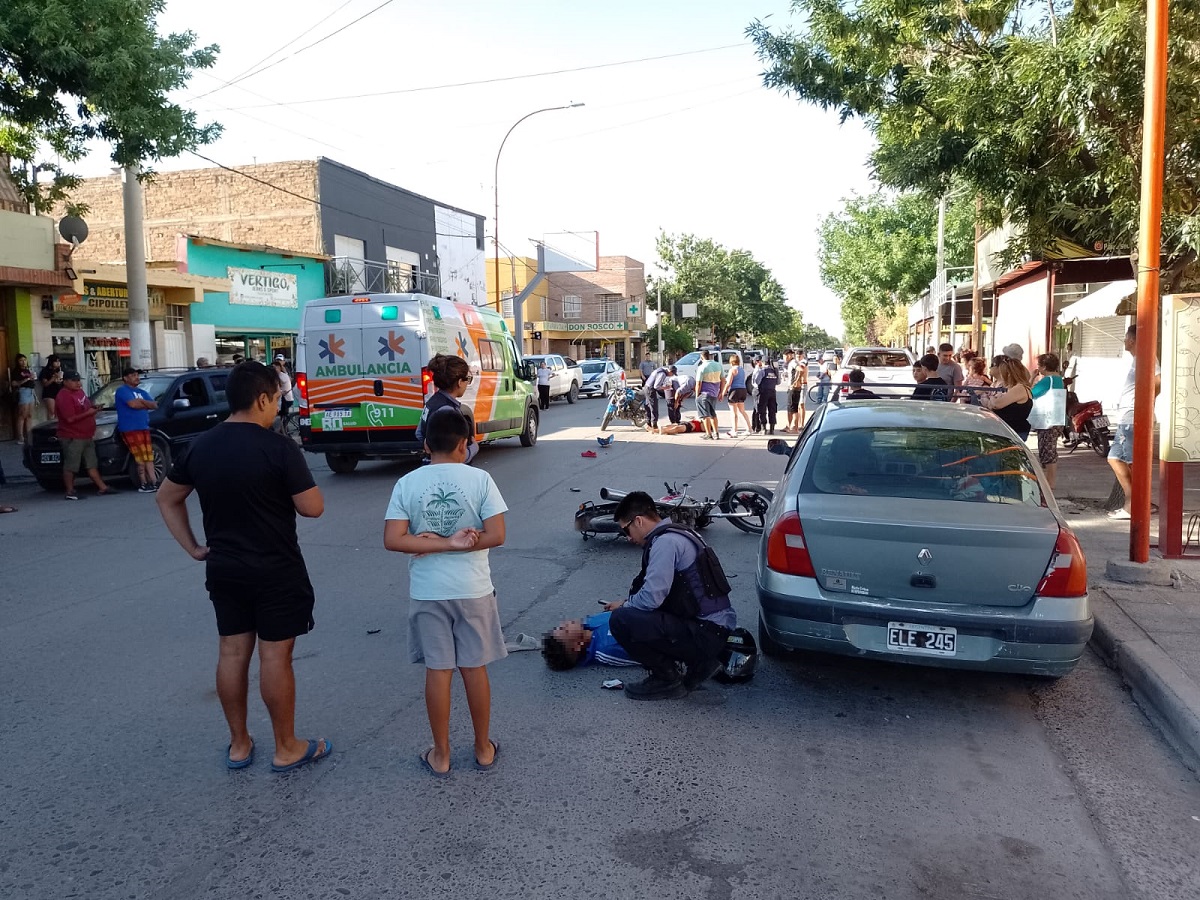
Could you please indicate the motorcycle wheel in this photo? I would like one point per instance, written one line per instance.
(639, 419)
(747, 497)
(1100, 444)
(608, 417)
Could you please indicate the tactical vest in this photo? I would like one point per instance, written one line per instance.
(699, 590)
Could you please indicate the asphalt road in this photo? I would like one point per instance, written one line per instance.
(824, 777)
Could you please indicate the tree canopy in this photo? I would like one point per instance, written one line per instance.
(736, 294)
(879, 252)
(74, 71)
(796, 333)
(1038, 112)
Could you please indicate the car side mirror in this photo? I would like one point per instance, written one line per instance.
(779, 447)
(181, 403)
(525, 372)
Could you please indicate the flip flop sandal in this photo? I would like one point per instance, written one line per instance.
(495, 756)
(428, 766)
(231, 763)
(309, 756)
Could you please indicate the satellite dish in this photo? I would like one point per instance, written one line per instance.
(73, 229)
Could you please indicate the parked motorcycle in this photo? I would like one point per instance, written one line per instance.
(1086, 424)
(744, 505)
(625, 404)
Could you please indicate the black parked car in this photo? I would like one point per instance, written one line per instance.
(190, 401)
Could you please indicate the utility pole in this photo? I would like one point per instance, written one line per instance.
(976, 288)
(141, 354)
(661, 358)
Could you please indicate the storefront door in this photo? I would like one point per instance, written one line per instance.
(98, 356)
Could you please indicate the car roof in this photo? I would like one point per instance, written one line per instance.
(903, 413)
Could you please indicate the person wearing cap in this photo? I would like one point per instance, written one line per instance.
(133, 424)
(77, 434)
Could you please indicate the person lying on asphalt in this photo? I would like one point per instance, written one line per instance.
(583, 642)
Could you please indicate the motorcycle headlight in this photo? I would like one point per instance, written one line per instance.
(104, 432)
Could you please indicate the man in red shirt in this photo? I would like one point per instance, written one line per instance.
(76, 433)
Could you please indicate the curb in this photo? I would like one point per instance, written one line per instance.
(1164, 691)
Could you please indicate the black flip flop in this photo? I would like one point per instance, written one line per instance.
(495, 756)
(424, 758)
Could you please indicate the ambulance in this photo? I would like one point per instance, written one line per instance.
(362, 376)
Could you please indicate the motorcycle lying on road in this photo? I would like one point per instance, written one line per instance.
(744, 505)
(1087, 425)
(625, 404)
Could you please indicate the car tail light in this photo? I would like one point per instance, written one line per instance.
(787, 551)
(845, 376)
(302, 387)
(1066, 576)
(426, 380)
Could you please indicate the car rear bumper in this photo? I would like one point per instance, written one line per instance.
(111, 454)
(318, 442)
(1045, 637)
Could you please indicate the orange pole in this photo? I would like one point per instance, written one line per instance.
(1154, 114)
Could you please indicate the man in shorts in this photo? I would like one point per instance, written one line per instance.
(797, 385)
(1120, 454)
(708, 387)
(446, 516)
(77, 435)
(133, 423)
(252, 483)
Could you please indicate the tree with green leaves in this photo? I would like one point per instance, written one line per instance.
(736, 294)
(74, 71)
(879, 252)
(1038, 115)
(675, 339)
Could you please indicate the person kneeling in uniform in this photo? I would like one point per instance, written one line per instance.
(678, 607)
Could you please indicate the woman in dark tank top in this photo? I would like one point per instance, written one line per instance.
(1016, 403)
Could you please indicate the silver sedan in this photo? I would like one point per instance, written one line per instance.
(920, 532)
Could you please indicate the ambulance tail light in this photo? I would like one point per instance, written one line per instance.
(787, 551)
(302, 386)
(426, 380)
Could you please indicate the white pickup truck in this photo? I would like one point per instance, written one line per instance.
(565, 380)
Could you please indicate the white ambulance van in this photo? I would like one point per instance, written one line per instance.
(362, 378)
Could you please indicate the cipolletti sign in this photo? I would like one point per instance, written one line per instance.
(256, 287)
(101, 300)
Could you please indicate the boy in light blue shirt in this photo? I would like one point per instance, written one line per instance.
(446, 516)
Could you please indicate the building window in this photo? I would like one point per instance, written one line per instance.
(571, 306)
(611, 306)
(173, 317)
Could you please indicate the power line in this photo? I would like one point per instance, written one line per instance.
(319, 203)
(503, 78)
(320, 40)
(249, 69)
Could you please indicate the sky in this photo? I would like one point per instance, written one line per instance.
(690, 143)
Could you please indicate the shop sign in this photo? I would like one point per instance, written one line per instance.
(579, 326)
(257, 287)
(102, 300)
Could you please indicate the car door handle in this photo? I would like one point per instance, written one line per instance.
(211, 416)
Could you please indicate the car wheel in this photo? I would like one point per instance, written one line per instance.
(341, 463)
(605, 391)
(768, 645)
(573, 393)
(529, 434)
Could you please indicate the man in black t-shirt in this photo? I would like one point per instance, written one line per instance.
(927, 379)
(252, 482)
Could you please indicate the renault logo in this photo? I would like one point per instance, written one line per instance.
(925, 557)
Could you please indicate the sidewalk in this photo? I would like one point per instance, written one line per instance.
(10, 459)
(1147, 615)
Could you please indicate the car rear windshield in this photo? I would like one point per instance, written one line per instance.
(593, 368)
(880, 359)
(923, 464)
(154, 385)
(690, 360)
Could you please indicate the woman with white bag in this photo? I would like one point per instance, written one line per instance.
(1049, 412)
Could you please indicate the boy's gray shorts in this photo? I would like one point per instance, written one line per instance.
(447, 634)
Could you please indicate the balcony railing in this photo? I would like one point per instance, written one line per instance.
(347, 275)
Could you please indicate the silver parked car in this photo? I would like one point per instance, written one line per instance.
(920, 532)
(601, 377)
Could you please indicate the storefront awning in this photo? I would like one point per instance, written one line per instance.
(1099, 304)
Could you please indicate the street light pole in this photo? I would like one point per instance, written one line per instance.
(518, 313)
